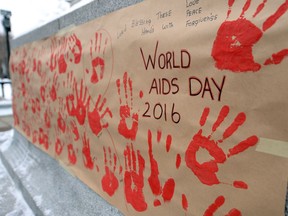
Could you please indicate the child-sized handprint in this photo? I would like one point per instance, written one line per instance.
(128, 125)
(109, 181)
(61, 120)
(71, 154)
(166, 190)
(233, 45)
(134, 179)
(87, 159)
(217, 204)
(206, 172)
(95, 117)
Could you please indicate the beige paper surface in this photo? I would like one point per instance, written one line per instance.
(159, 107)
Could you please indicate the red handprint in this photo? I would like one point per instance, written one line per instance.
(87, 159)
(47, 117)
(206, 172)
(75, 47)
(134, 180)
(95, 117)
(61, 116)
(54, 88)
(78, 110)
(58, 146)
(57, 57)
(43, 138)
(167, 191)
(71, 154)
(74, 130)
(126, 110)
(217, 204)
(97, 53)
(232, 49)
(109, 181)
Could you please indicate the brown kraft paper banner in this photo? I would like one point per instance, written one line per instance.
(159, 107)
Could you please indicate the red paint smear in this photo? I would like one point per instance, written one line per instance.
(141, 94)
(242, 146)
(157, 202)
(213, 207)
(232, 49)
(240, 184)
(238, 121)
(97, 62)
(259, 8)
(87, 159)
(270, 21)
(204, 116)
(184, 202)
(168, 190)
(245, 8)
(234, 212)
(222, 115)
(153, 178)
(178, 161)
(134, 182)
(71, 154)
(109, 182)
(277, 58)
(168, 142)
(62, 65)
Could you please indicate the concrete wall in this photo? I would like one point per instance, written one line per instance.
(95, 9)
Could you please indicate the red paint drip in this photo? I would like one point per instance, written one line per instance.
(242, 146)
(168, 142)
(178, 161)
(277, 58)
(270, 21)
(222, 115)
(184, 202)
(213, 207)
(259, 8)
(240, 184)
(245, 8)
(238, 121)
(204, 116)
